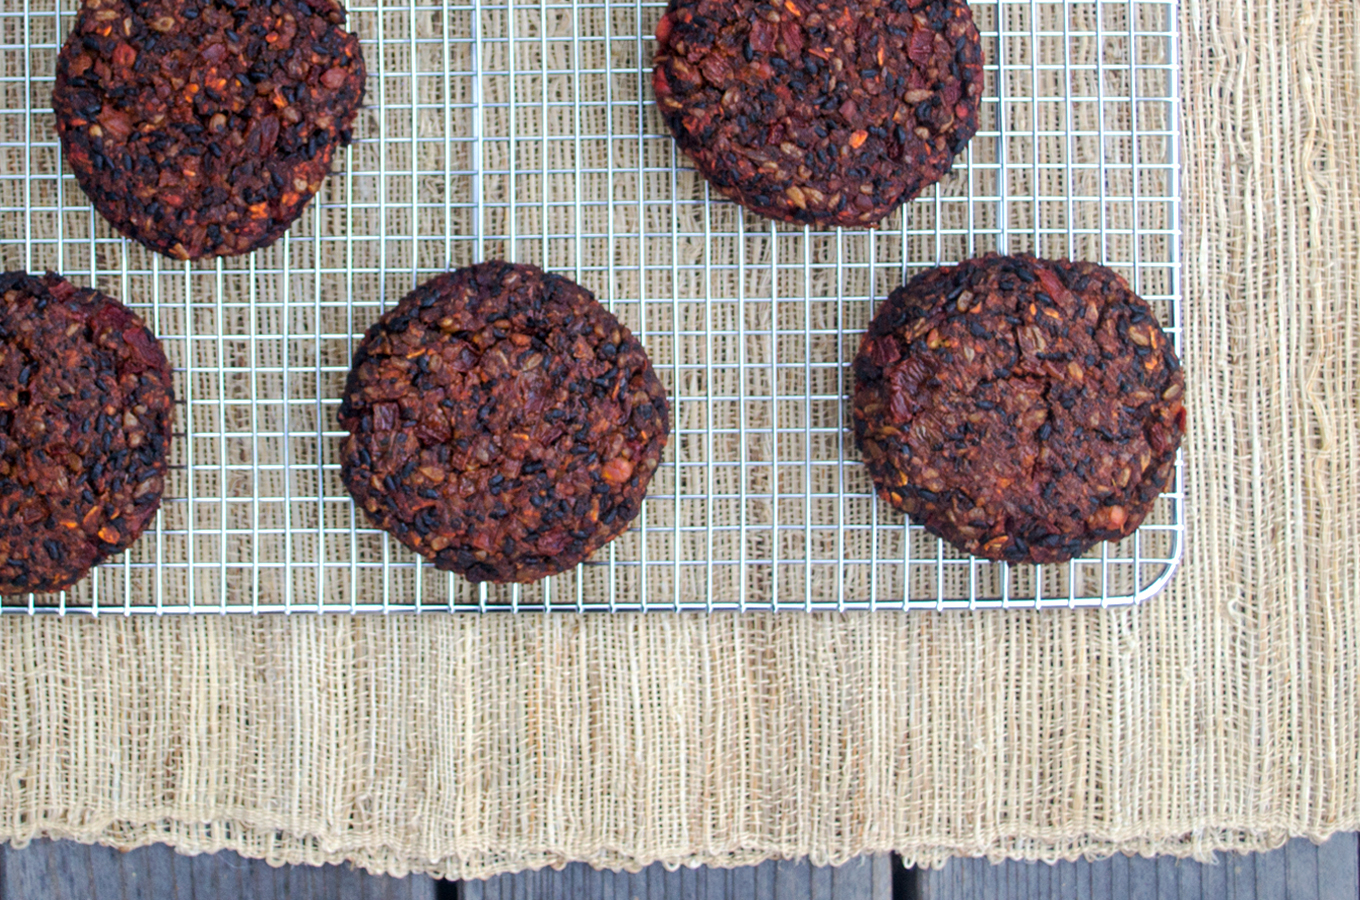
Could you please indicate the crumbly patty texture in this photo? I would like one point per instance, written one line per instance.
(503, 424)
(1021, 409)
(825, 112)
(202, 127)
(85, 409)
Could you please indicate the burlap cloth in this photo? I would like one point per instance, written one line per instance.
(1224, 714)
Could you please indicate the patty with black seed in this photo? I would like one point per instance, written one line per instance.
(1021, 409)
(202, 128)
(823, 112)
(85, 410)
(503, 424)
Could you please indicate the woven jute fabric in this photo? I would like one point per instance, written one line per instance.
(1223, 714)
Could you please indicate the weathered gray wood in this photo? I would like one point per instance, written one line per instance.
(1102, 878)
(1142, 878)
(1168, 878)
(1214, 880)
(673, 885)
(33, 872)
(819, 883)
(1062, 882)
(1242, 876)
(1270, 874)
(36, 875)
(989, 880)
(958, 881)
(882, 865)
(854, 879)
(765, 873)
(104, 880)
(949, 883)
(1189, 880)
(1300, 868)
(65, 870)
(743, 882)
(534, 886)
(692, 884)
(1119, 876)
(1299, 871)
(792, 878)
(955, 883)
(715, 883)
(1081, 881)
(1339, 868)
(590, 883)
(864, 878)
(167, 873)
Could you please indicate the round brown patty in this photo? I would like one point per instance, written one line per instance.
(202, 128)
(1019, 408)
(503, 424)
(85, 406)
(828, 112)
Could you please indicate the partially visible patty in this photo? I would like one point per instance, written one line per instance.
(85, 408)
(201, 128)
(503, 424)
(1020, 408)
(825, 112)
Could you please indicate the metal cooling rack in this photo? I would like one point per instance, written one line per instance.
(528, 131)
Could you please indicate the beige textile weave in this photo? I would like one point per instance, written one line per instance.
(1223, 714)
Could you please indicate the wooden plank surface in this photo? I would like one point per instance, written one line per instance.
(1300, 870)
(866, 878)
(65, 870)
(1339, 869)
(1270, 872)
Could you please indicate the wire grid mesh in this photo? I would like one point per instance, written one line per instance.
(528, 131)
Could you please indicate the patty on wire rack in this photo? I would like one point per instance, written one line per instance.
(203, 127)
(1021, 409)
(825, 112)
(85, 411)
(503, 424)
